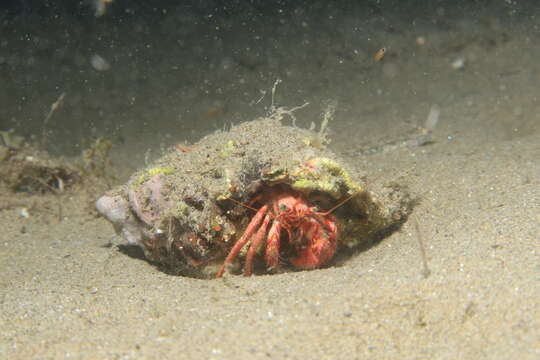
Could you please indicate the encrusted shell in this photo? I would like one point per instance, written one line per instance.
(187, 206)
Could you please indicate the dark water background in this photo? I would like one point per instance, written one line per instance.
(181, 69)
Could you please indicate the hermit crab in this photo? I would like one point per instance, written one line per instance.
(262, 197)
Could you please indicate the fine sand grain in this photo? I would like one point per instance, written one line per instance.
(69, 289)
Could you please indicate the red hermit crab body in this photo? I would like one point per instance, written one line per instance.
(286, 218)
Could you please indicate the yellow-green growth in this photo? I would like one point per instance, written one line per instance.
(325, 175)
(276, 175)
(149, 173)
(323, 185)
(226, 195)
(227, 149)
(182, 208)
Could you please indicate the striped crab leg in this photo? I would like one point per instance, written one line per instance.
(252, 226)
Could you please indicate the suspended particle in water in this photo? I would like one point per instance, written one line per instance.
(99, 63)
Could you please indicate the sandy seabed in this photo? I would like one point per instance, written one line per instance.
(66, 292)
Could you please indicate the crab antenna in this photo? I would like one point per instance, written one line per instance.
(341, 203)
(242, 204)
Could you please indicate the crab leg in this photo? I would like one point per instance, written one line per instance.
(272, 245)
(252, 226)
(255, 245)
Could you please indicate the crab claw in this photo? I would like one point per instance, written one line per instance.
(321, 247)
